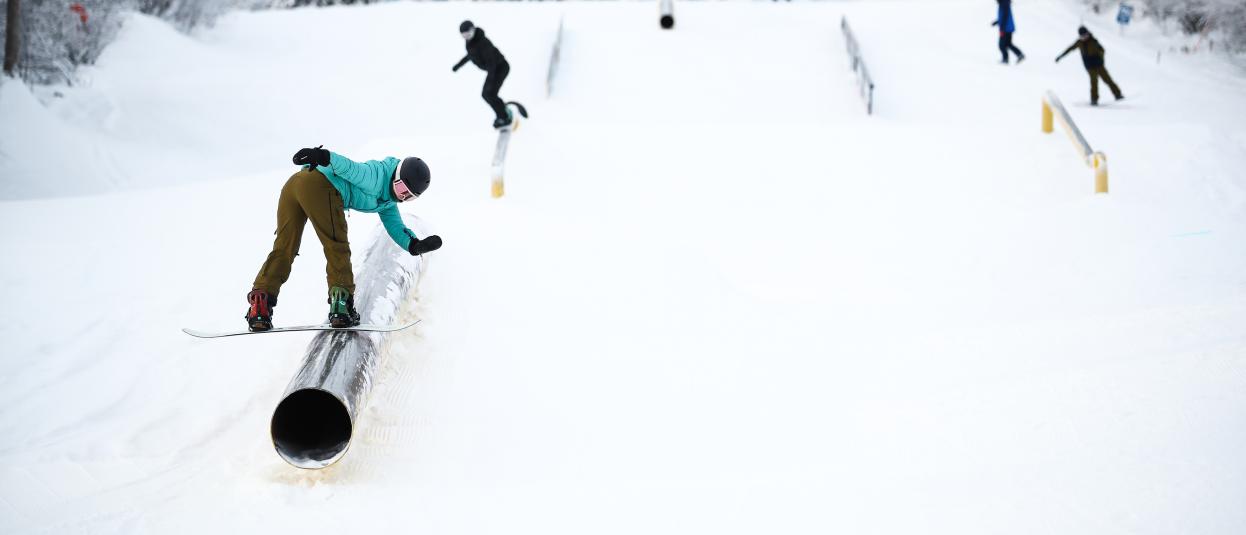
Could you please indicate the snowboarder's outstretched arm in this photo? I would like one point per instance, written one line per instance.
(392, 221)
(461, 62)
(1066, 51)
(405, 237)
(371, 175)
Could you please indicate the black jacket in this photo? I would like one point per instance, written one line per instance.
(1092, 52)
(480, 50)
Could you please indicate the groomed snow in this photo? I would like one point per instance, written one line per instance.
(717, 297)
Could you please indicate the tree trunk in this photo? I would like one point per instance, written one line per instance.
(13, 34)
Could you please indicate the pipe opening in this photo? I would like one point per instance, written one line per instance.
(311, 428)
(667, 22)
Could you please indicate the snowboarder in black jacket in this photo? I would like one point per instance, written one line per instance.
(486, 56)
(1092, 59)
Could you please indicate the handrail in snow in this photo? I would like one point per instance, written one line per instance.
(554, 57)
(864, 82)
(1053, 109)
(313, 425)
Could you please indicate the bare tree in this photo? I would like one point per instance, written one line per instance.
(12, 35)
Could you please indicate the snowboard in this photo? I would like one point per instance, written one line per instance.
(499, 152)
(321, 327)
(1110, 102)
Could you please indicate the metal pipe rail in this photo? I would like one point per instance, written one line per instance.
(864, 83)
(313, 425)
(666, 10)
(1053, 109)
(554, 57)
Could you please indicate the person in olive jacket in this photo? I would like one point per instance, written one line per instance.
(480, 51)
(1092, 59)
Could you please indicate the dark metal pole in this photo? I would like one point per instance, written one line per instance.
(12, 35)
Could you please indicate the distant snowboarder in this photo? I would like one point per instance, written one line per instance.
(1092, 59)
(1007, 26)
(486, 56)
(321, 192)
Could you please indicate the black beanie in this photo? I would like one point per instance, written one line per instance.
(1081, 30)
(466, 26)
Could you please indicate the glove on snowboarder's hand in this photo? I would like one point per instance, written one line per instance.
(316, 156)
(431, 243)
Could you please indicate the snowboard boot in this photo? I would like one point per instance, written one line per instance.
(503, 123)
(260, 315)
(342, 311)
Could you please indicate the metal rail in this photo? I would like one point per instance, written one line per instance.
(554, 58)
(864, 82)
(313, 425)
(1054, 110)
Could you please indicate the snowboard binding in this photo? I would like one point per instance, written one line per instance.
(260, 316)
(342, 311)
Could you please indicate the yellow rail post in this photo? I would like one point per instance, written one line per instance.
(1101, 172)
(1047, 126)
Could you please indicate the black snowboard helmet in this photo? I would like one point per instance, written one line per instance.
(467, 29)
(1081, 30)
(413, 173)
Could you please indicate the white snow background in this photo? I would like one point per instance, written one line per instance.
(716, 298)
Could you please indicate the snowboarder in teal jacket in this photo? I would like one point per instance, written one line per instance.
(321, 192)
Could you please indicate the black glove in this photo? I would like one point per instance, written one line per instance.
(431, 243)
(316, 156)
(996, 23)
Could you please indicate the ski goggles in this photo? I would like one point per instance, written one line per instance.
(400, 188)
(402, 191)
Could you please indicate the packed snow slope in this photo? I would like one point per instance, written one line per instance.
(717, 297)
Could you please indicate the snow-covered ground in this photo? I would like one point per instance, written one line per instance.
(717, 297)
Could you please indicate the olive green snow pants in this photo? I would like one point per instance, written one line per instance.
(1097, 73)
(308, 195)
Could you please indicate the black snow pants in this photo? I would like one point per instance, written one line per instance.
(1005, 44)
(493, 84)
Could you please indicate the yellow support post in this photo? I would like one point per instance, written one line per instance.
(1100, 164)
(497, 187)
(1047, 119)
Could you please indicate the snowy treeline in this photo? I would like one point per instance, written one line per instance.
(58, 35)
(1228, 17)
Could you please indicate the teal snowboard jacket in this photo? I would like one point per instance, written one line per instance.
(365, 187)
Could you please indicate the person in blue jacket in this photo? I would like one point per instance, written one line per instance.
(321, 192)
(1006, 26)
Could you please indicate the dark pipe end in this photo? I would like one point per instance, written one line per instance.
(667, 22)
(311, 428)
